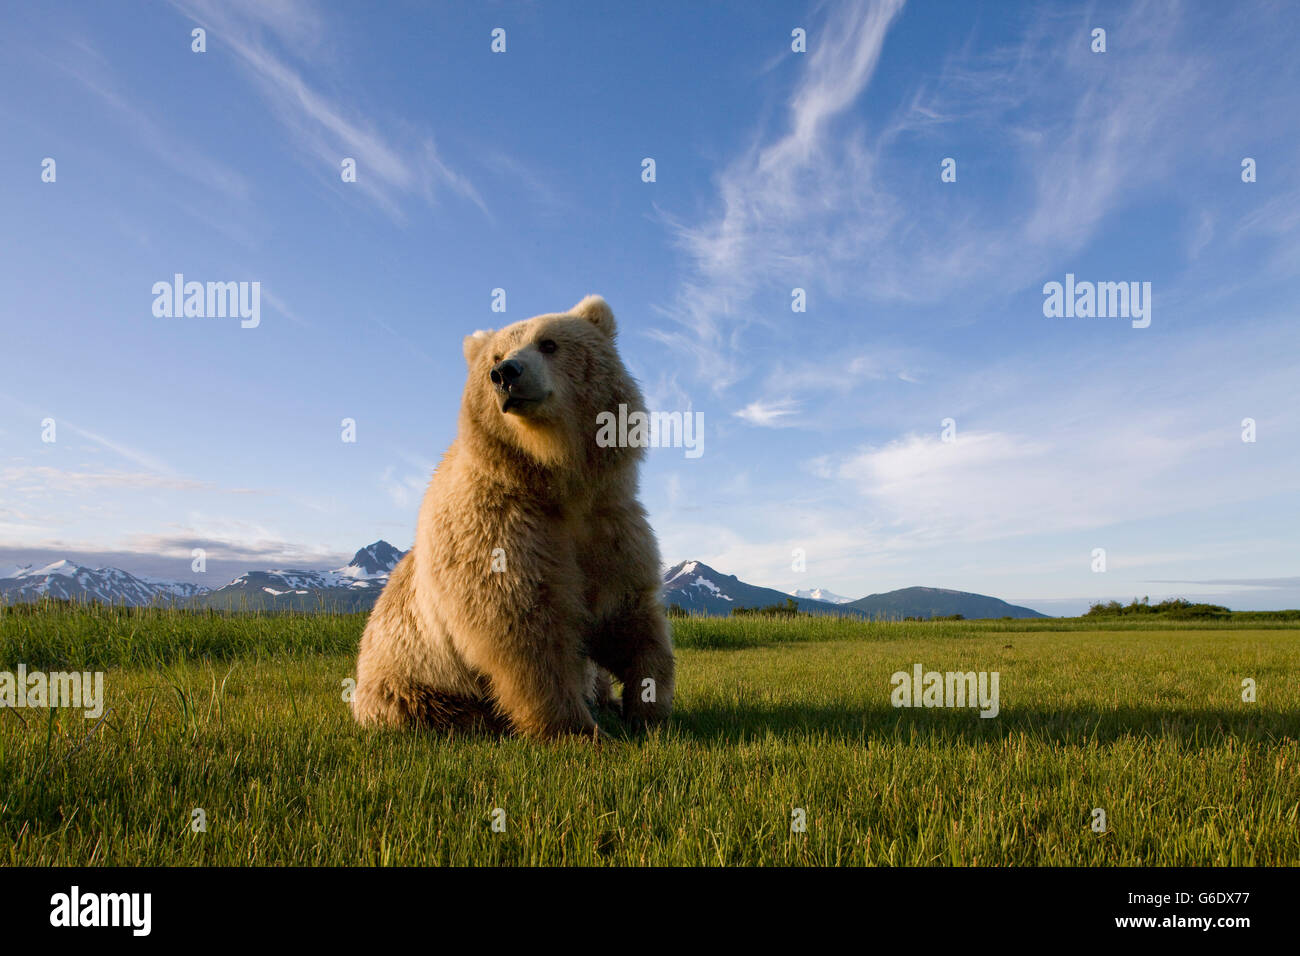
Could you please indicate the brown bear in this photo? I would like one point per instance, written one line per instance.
(534, 574)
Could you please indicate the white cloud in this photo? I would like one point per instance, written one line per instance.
(1133, 456)
(404, 490)
(768, 414)
(227, 539)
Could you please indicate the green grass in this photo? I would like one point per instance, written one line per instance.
(243, 717)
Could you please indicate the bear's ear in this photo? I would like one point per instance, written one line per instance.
(596, 311)
(473, 344)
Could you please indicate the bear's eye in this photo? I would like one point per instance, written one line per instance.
(496, 360)
(546, 345)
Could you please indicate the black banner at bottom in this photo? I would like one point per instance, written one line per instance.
(945, 906)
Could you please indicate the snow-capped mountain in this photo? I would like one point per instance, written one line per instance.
(372, 562)
(66, 580)
(821, 594)
(698, 588)
(353, 586)
(692, 574)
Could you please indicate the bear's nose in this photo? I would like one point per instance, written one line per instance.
(506, 373)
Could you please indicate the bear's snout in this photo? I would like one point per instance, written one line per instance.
(507, 373)
(517, 386)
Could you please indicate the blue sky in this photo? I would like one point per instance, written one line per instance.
(775, 170)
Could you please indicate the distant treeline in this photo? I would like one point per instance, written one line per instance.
(1170, 610)
(1181, 609)
(790, 608)
(787, 608)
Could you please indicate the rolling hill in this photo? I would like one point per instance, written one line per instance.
(937, 602)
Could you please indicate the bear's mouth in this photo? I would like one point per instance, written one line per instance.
(519, 404)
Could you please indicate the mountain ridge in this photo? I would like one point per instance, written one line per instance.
(691, 585)
(697, 588)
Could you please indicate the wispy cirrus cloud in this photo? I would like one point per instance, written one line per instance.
(822, 204)
(773, 198)
(391, 168)
(145, 460)
(44, 479)
(1264, 583)
(80, 59)
(148, 463)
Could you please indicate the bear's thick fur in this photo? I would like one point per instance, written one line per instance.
(534, 574)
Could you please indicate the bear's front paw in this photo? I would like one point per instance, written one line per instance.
(640, 710)
(579, 723)
(593, 734)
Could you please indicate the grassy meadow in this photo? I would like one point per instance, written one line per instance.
(243, 717)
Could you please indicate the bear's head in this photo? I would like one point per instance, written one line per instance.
(537, 386)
